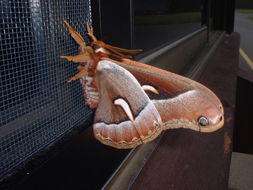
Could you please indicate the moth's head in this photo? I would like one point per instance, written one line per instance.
(99, 46)
(210, 114)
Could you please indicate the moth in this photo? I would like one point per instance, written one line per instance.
(135, 102)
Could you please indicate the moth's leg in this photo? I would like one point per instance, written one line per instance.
(77, 58)
(124, 50)
(77, 37)
(79, 75)
(116, 52)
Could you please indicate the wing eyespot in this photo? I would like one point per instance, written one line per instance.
(203, 121)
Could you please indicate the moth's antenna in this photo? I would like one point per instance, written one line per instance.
(90, 32)
(77, 37)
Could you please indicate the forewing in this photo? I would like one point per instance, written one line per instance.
(125, 116)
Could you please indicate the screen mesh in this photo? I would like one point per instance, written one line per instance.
(37, 104)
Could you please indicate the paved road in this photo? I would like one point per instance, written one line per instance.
(244, 26)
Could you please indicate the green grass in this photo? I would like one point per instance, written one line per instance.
(246, 11)
(179, 18)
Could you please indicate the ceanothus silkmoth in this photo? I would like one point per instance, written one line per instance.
(135, 102)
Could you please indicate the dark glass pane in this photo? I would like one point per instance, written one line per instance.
(158, 22)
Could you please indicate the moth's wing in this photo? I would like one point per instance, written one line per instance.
(181, 102)
(139, 122)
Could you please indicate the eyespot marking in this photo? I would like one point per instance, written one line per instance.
(150, 88)
(121, 102)
(203, 121)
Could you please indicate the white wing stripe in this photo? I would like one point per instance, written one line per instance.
(121, 102)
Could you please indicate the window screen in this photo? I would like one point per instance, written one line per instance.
(37, 104)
